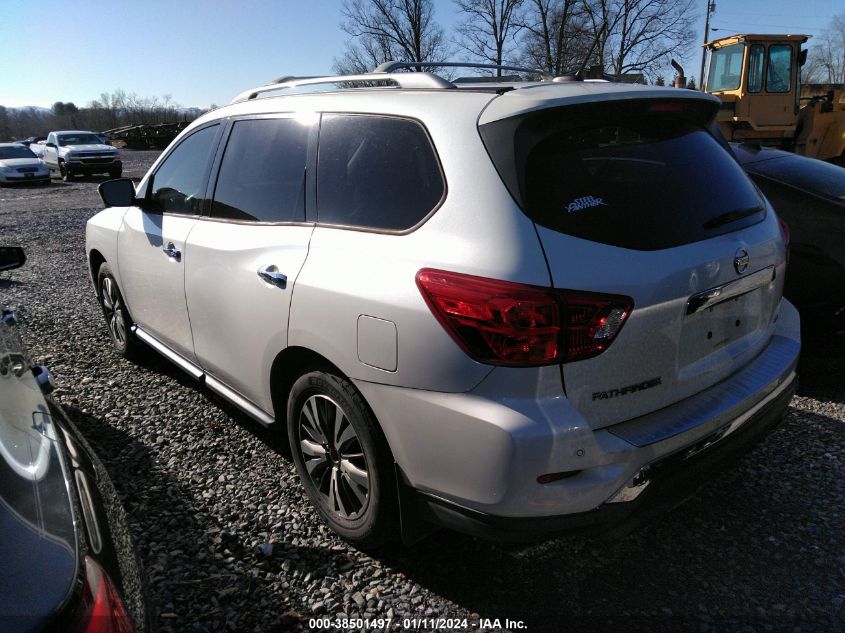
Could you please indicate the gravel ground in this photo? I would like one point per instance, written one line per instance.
(229, 542)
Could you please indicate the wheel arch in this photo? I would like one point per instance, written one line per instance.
(293, 362)
(290, 364)
(95, 260)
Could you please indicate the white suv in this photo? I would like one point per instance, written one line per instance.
(505, 309)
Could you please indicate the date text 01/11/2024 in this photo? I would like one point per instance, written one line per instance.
(431, 624)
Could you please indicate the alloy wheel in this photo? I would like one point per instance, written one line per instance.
(113, 309)
(333, 457)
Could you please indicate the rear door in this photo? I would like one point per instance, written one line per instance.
(151, 242)
(636, 198)
(245, 258)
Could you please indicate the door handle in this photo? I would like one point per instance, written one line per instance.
(171, 251)
(271, 275)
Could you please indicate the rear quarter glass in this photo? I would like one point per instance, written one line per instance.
(643, 175)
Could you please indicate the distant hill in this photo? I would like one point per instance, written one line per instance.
(28, 108)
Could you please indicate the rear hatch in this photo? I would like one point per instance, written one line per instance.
(633, 196)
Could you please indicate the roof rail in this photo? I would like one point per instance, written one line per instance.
(389, 67)
(403, 80)
(286, 78)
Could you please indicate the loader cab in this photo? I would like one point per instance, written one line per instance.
(757, 78)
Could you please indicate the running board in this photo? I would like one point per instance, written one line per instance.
(183, 364)
(212, 383)
(238, 400)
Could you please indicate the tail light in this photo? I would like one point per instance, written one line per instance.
(506, 323)
(593, 321)
(784, 231)
(103, 610)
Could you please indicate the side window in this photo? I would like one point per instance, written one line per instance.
(179, 182)
(376, 172)
(756, 55)
(779, 74)
(262, 177)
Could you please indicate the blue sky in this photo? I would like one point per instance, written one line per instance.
(206, 51)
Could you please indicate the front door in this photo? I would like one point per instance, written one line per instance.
(50, 154)
(152, 241)
(771, 94)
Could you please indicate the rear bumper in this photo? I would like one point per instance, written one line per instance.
(655, 489)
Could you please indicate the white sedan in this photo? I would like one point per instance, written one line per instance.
(19, 164)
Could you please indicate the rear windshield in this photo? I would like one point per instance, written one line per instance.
(15, 151)
(642, 175)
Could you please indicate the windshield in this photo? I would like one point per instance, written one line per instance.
(725, 68)
(12, 151)
(79, 139)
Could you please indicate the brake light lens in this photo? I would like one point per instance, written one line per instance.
(506, 323)
(784, 231)
(593, 321)
(103, 611)
(666, 107)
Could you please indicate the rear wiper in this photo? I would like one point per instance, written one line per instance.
(731, 216)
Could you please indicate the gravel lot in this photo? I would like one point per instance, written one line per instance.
(760, 548)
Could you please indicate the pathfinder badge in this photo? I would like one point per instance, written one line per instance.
(624, 391)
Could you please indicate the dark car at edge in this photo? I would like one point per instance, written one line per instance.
(809, 195)
(67, 559)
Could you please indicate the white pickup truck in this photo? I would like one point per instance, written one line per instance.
(75, 152)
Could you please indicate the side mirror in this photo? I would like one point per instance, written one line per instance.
(118, 193)
(50, 144)
(11, 257)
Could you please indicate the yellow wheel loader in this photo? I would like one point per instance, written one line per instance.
(758, 79)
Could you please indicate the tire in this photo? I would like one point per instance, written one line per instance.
(64, 172)
(350, 480)
(118, 320)
(115, 173)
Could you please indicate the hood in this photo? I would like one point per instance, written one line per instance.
(21, 162)
(97, 147)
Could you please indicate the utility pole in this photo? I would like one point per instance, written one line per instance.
(711, 7)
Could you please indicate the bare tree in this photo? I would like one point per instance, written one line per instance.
(390, 30)
(107, 112)
(555, 34)
(826, 63)
(5, 130)
(640, 36)
(363, 55)
(486, 29)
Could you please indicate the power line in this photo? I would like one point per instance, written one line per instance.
(790, 27)
(775, 15)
